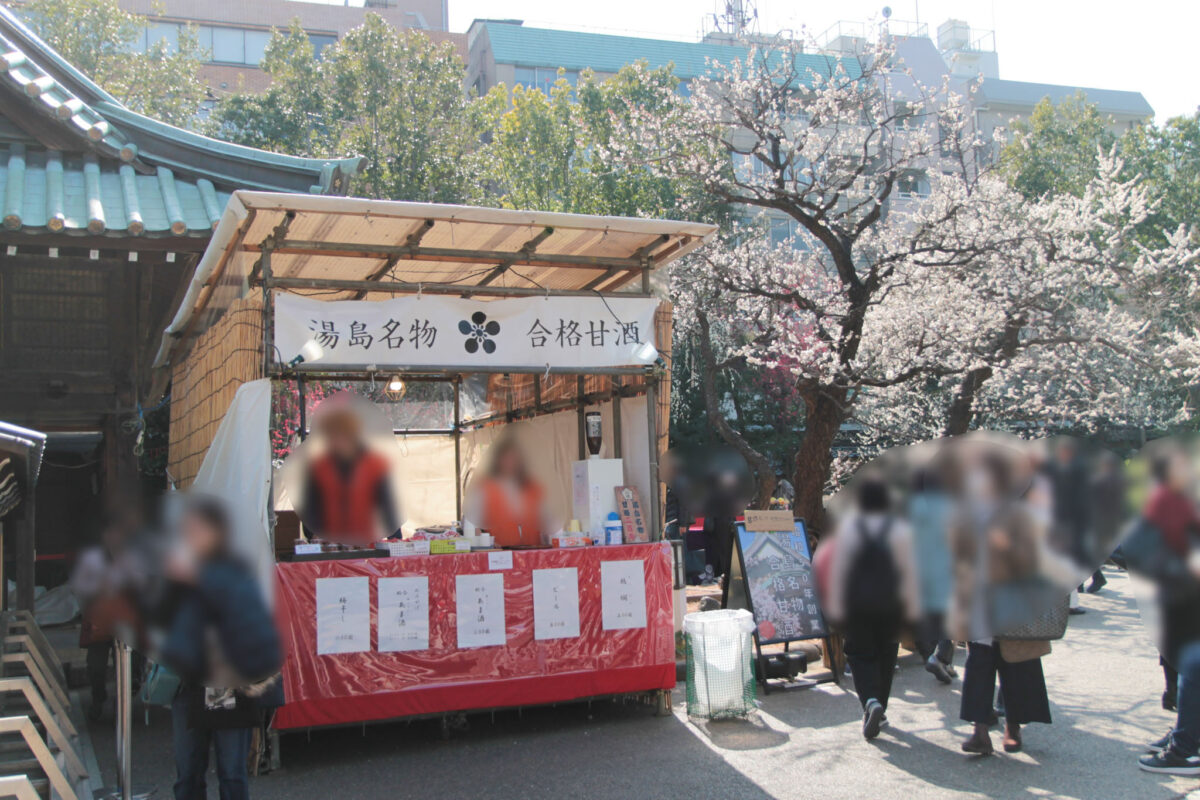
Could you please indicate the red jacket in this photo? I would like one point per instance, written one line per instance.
(346, 503)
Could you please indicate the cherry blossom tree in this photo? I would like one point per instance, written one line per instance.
(913, 267)
(844, 148)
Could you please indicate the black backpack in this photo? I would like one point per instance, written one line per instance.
(873, 581)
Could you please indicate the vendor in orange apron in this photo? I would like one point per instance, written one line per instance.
(507, 502)
(348, 496)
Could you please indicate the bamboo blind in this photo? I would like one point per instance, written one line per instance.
(203, 385)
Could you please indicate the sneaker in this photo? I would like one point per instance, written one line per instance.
(883, 722)
(937, 669)
(1159, 744)
(872, 719)
(1170, 763)
(1097, 584)
(951, 670)
(1076, 611)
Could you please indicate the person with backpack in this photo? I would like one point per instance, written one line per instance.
(873, 594)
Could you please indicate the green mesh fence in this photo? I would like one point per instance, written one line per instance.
(720, 669)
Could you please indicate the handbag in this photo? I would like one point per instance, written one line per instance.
(160, 685)
(1031, 609)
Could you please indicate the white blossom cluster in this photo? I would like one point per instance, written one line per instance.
(921, 270)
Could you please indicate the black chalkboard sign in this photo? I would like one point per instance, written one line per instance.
(781, 584)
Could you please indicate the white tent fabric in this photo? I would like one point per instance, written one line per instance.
(237, 469)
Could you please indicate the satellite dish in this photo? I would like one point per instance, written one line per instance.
(887, 12)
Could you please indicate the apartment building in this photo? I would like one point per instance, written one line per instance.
(235, 32)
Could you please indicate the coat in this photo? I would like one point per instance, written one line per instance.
(1014, 539)
(223, 628)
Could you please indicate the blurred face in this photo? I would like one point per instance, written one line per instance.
(1178, 473)
(342, 443)
(508, 465)
(200, 537)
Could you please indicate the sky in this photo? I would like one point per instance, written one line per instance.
(1148, 46)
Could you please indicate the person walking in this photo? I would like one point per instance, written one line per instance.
(225, 648)
(929, 511)
(1174, 563)
(873, 594)
(995, 541)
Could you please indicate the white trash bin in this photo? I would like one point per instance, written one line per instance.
(720, 663)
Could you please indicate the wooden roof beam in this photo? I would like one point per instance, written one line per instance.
(412, 240)
(444, 254)
(527, 249)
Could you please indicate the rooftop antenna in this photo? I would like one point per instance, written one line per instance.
(736, 17)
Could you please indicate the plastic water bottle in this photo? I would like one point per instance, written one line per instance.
(612, 529)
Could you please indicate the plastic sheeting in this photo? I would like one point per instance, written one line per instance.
(237, 469)
(364, 686)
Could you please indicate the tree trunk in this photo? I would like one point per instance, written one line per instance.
(814, 460)
(759, 464)
(962, 408)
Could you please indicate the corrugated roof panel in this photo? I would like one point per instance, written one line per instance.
(1024, 93)
(575, 50)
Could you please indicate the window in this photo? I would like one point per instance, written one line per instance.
(785, 230)
(166, 32)
(256, 45)
(542, 78)
(912, 183)
(320, 41)
(229, 45)
(906, 115)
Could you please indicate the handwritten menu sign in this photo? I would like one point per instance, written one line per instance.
(556, 603)
(479, 600)
(633, 522)
(343, 615)
(779, 575)
(500, 559)
(622, 595)
(403, 614)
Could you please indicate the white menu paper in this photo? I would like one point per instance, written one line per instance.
(556, 603)
(500, 559)
(343, 615)
(403, 614)
(622, 595)
(479, 601)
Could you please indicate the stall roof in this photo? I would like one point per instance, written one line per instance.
(422, 246)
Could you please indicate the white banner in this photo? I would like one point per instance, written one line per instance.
(436, 330)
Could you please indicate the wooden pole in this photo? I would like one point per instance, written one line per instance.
(458, 487)
(655, 499)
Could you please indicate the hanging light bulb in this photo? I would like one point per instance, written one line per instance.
(395, 387)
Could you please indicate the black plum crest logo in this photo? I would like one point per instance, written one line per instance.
(479, 332)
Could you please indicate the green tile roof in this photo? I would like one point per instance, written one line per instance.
(46, 191)
(513, 43)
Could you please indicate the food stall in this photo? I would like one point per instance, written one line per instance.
(545, 320)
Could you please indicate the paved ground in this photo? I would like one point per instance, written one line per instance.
(804, 743)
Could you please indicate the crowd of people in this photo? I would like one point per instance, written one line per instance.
(988, 542)
(982, 541)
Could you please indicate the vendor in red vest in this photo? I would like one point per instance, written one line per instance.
(507, 502)
(348, 495)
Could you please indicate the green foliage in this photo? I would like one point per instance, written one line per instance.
(98, 38)
(1056, 149)
(391, 95)
(289, 116)
(555, 153)
(1168, 159)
